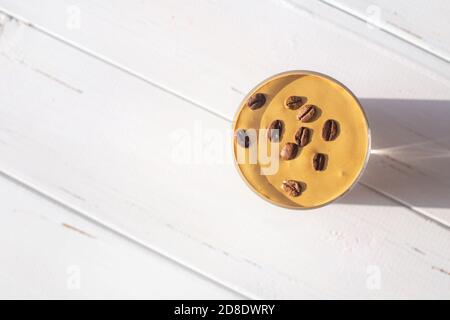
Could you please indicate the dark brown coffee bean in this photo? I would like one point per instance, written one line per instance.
(256, 101)
(242, 138)
(303, 136)
(319, 161)
(289, 151)
(292, 188)
(294, 102)
(330, 130)
(306, 113)
(275, 131)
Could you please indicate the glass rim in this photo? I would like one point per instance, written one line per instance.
(302, 72)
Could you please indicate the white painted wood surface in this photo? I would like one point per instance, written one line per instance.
(177, 37)
(95, 96)
(422, 23)
(48, 252)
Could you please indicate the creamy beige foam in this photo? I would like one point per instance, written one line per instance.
(346, 155)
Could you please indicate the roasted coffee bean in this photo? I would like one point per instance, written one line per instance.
(242, 138)
(303, 136)
(289, 151)
(330, 130)
(256, 101)
(294, 102)
(306, 113)
(275, 131)
(319, 161)
(292, 187)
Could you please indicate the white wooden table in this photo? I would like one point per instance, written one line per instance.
(96, 204)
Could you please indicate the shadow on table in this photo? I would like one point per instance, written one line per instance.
(410, 157)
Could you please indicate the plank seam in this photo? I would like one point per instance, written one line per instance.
(391, 30)
(110, 62)
(143, 78)
(417, 211)
(123, 235)
(424, 67)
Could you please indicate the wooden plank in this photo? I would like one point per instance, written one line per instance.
(104, 142)
(169, 43)
(423, 24)
(48, 252)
